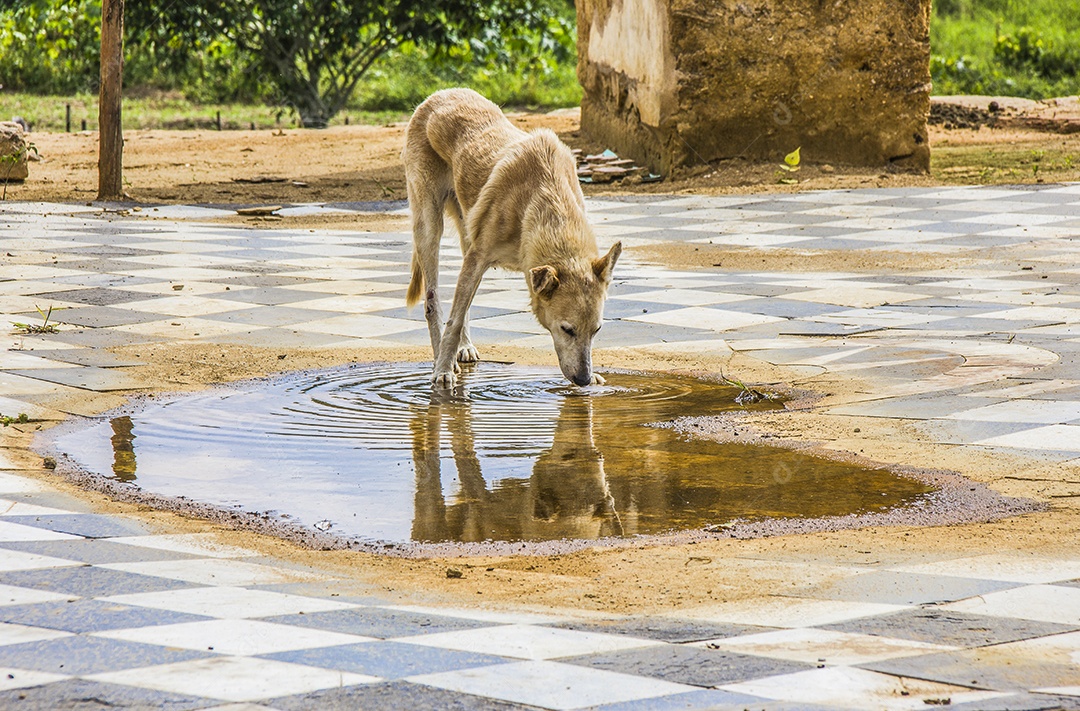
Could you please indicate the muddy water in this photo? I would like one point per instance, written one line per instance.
(368, 452)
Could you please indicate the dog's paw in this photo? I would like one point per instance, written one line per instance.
(468, 354)
(598, 379)
(443, 381)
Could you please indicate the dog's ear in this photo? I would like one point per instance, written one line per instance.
(544, 280)
(602, 267)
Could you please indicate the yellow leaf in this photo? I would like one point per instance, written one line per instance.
(792, 158)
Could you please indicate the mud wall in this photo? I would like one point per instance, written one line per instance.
(673, 83)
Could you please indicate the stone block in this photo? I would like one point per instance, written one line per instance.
(673, 83)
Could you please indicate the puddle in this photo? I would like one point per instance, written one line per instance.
(368, 453)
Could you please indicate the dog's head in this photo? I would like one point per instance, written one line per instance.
(568, 300)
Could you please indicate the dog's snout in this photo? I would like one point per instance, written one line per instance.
(582, 380)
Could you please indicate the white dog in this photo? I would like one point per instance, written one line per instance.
(517, 204)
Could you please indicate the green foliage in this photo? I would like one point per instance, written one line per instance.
(33, 328)
(21, 419)
(1027, 48)
(306, 57)
(50, 45)
(313, 54)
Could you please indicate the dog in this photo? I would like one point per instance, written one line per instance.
(516, 202)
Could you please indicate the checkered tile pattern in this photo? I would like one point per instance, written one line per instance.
(983, 354)
(176, 621)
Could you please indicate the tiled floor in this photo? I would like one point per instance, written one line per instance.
(105, 610)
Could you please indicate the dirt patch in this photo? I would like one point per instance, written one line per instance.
(362, 164)
(957, 116)
(704, 256)
(699, 572)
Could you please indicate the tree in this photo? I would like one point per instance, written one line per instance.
(315, 52)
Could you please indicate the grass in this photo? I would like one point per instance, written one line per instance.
(1028, 48)
(169, 111)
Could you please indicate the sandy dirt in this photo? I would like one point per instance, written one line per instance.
(361, 163)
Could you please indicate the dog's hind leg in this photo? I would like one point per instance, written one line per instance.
(427, 218)
(472, 271)
(467, 352)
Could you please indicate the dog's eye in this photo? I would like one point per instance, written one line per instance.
(569, 331)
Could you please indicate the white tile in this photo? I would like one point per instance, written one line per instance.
(528, 642)
(233, 678)
(1012, 568)
(1058, 649)
(685, 297)
(856, 296)
(551, 685)
(201, 544)
(1061, 690)
(359, 325)
(1048, 412)
(18, 508)
(242, 637)
(825, 646)
(18, 560)
(16, 595)
(12, 678)
(705, 318)
(11, 633)
(856, 688)
(497, 616)
(13, 483)
(1054, 437)
(10, 531)
(787, 611)
(226, 602)
(1046, 603)
(217, 572)
(185, 305)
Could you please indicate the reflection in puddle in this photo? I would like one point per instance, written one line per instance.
(370, 453)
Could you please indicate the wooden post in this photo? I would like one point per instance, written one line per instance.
(67, 118)
(110, 131)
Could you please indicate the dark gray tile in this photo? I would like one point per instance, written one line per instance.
(90, 655)
(973, 668)
(379, 622)
(84, 615)
(905, 588)
(86, 356)
(689, 665)
(784, 308)
(340, 590)
(85, 378)
(711, 699)
(265, 296)
(94, 551)
(276, 316)
(102, 316)
(96, 296)
(391, 696)
(86, 525)
(84, 695)
(90, 581)
(663, 629)
(389, 660)
(1022, 702)
(99, 338)
(957, 629)
(625, 308)
(277, 338)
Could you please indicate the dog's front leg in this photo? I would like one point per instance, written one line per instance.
(472, 270)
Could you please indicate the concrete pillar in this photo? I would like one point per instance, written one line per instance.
(673, 83)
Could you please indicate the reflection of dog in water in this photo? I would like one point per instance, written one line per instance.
(516, 202)
(567, 495)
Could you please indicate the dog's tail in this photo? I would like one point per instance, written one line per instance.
(416, 284)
